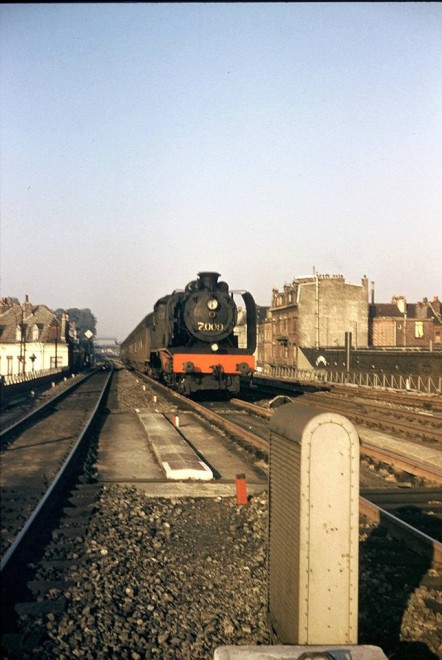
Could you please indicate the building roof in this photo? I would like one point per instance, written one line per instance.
(32, 318)
(417, 311)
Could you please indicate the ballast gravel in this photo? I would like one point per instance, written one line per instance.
(165, 579)
(175, 578)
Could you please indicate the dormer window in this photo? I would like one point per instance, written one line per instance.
(35, 332)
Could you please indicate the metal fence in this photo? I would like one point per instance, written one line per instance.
(14, 379)
(409, 383)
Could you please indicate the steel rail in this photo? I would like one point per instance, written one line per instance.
(416, 427)
(27, 528)
(387, 497)
(407, 398)
(283, 386)
(407, 428)
(36, 411)
(218, 420)
(420, 542)
(417, 468)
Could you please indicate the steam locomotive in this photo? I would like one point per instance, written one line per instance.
(191, 342)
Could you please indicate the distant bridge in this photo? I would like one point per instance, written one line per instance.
(107, 345)
(106, 341)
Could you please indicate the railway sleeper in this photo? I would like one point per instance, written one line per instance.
(62, 565)
(81, 511)
(61, 535)
(43, 587)
(17, 645)
(36, 609)
(431, 581)
(434, 605)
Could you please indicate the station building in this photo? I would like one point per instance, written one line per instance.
(32, 339)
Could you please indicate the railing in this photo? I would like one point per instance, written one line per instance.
(409, 383)
(14, 379)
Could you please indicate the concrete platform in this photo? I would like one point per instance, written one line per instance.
(177, 458)
(124, 454)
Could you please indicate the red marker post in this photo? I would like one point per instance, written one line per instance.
(241, 489)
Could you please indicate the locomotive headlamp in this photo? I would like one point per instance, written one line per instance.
(214, 347)
(212, 303)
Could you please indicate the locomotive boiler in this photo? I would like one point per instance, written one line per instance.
(196, 339)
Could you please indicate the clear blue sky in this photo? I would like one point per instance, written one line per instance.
(142, 143)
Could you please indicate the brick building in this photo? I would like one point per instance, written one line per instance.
(404, 325)
(311, 312)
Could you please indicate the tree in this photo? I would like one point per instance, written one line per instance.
(84, 320)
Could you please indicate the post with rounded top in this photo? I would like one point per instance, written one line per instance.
(313, 527)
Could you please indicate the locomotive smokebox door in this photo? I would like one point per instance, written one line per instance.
(313, 527)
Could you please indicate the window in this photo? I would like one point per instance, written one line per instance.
(18, 336)
(418, 329)
(10, 366)
(35, 332)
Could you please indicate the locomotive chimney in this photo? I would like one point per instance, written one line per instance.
(208, 280)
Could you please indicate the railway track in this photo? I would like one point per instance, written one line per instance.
(423, 402)
(415, 425)
(414, 418)
(255, 435)
(274, 386)
(33, 603)
(418, 469)
(420, 502)
(42, 456)
(14, 416)
(112, 581)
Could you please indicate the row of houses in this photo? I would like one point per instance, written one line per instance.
(324, 310)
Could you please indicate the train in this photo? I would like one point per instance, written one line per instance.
(191, 341)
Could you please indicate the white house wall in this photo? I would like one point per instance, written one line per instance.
(44, 357)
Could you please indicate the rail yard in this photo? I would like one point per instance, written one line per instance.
(143, 554)
(178, 501)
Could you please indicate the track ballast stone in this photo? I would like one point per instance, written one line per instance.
(175, 578)
(167, 579)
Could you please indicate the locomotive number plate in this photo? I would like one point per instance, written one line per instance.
(210, 327)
